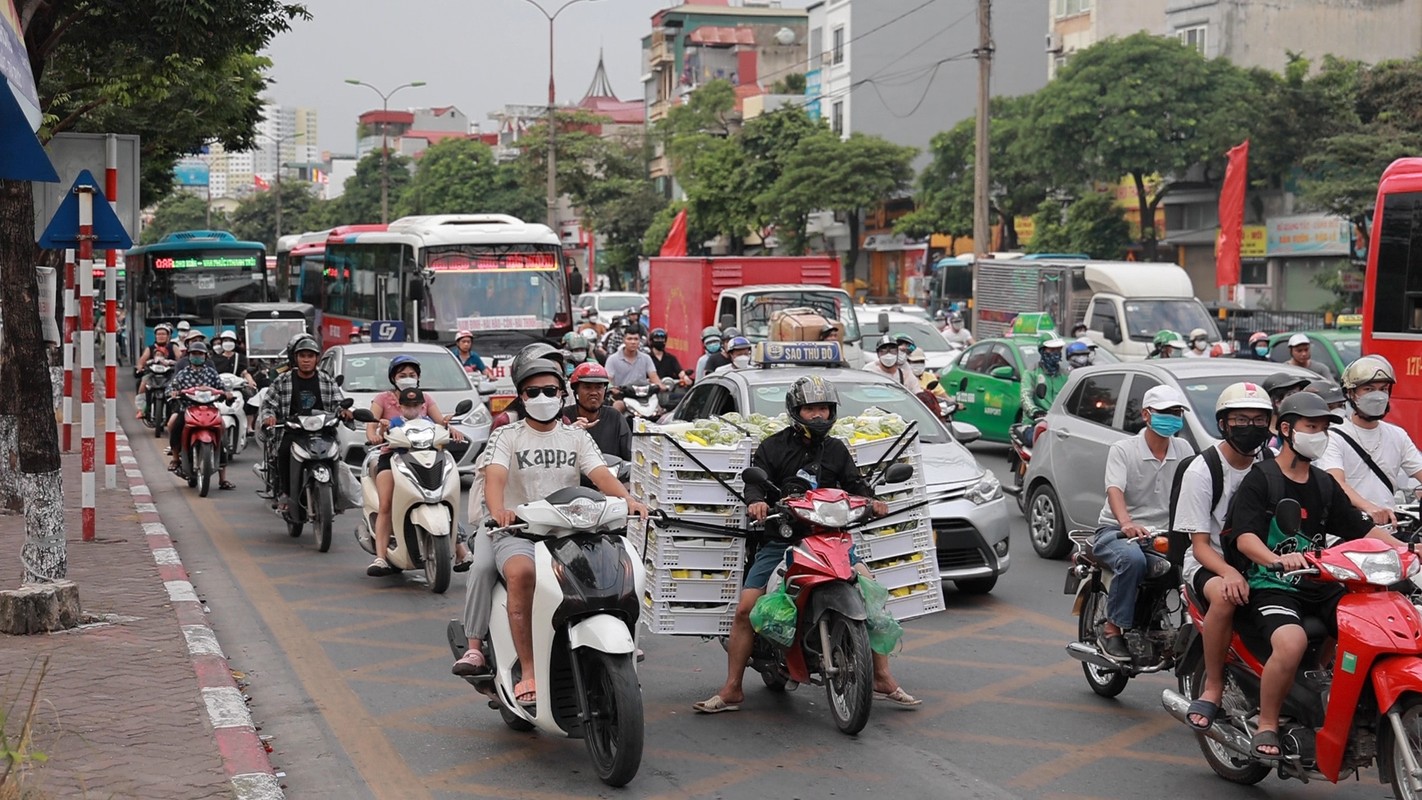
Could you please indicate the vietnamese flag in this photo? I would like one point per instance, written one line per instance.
(1232, 216)
(261, 185)
(675, 245)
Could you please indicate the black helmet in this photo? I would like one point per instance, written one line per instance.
(1280, 382)
(659, 336)
(304, 342)
(533, 367)
(537, 350)
(886, 342)
(1328, 390)
(1305, 404)
(807, 391)
(197, 347)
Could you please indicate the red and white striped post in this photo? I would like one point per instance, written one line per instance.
(86, 357)
(71, 329)
(111, 324)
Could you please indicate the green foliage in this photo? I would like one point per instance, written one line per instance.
(182, 212)
(793, 83)
(360, 202)
(461, 176)
(1093, 224)
(579, 157)
(254, 219)
(18, 754)
(621, 204)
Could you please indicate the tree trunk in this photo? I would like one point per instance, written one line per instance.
(1147, 211)
(11, 495)
(1009, 231)
(25, 388)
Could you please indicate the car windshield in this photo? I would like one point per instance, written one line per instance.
(1030, 357)
(925, 336)
(615, 303)
(1146, 318)
(854, 399)
(1202, 394)
(369, 372)
(1349, 350)
(756, 310)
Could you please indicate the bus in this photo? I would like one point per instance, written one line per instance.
(1392, 292)
(184, 275)
(492, 274)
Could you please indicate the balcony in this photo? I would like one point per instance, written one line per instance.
(661, 51)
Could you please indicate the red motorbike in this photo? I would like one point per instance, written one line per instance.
(1364, 707)
(831, 645)
(202, 436)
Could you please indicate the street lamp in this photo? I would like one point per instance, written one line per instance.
(283, 276)
(384, 140)
(552, 167)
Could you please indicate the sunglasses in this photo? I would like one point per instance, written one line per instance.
(531, 392)
(1169, 412)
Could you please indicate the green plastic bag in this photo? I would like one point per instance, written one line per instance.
(774, 617)
(884, 631)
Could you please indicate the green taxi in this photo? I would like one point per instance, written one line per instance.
(1334, 348)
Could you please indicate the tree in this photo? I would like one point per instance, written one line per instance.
(254, 219)
(182, 212)
(125, 66)
(461, 176)
(1140, 106)
(768, 143)
(794, 83)
(580, 151)
(360, 202)
(620, 205)
(709, 163)
(1093, 225)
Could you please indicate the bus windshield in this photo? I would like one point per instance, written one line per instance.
(757, 310)
(1146, 318)
(189, 285)
(484, 291)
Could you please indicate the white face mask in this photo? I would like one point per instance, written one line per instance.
(543, 409)
(741, 362)
(406, 383)
(229, 346)
(918, 369)
(889, 359)
(1372, 404)
(1310, 446)
(1201, 344)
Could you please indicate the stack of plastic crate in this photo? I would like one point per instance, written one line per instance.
(899, 549)
(693, 575)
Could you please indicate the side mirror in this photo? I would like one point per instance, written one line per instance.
(755, 476)
(416, 291)
(364, 415)
(340, 380)
(965, 433)
(1040, 392)
(1111, 331)
(465, 406)
(487, 388)
(898, 473)
(1004, 372)
(1289, 515)
(883, 322)
(348, 402)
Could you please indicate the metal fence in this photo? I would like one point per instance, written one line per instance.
(1239, 323)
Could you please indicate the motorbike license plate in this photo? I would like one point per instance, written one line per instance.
(1072, 582)
(499, 402)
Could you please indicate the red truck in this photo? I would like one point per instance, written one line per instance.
(688, 294)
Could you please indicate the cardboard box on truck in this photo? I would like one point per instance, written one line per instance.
(797, 325)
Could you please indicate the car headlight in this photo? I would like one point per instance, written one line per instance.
(479, 417)
(987, 489)
(1379, 569)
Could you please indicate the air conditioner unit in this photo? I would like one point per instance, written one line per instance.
(1054, 43)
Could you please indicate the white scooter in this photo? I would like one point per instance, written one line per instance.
(423, 502)
(234, 416)
(586, 602)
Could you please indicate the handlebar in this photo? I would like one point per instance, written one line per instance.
(1278, 568)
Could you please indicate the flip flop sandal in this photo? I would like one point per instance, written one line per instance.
(1266, 739)
(899, 697)
(227, 485)
(526, 692)
(1202, 708)
(715, 705)
(464, 565)
(172, 466)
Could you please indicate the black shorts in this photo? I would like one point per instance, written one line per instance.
(1273, 609)
(1202, 577)
(382, 463)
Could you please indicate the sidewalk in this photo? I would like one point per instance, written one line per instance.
(128, 706)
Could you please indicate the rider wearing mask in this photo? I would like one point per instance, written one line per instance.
(1242, 413)
(957, 333)
(886, 362)
(711, 342)
(738, 350)
(578, 352)
(1048, 373)
(163, 347)
(1278, 604)
(630, 366)
(1167, 344)
(197, 373)
(1280, 386)
(667, 364)
(1078, 354)
(591, 413)
(1199, 344)
(1139, 473)
(403, 373)
(1257, 349)
(1368, 456)
(803, 452)
(299, 390)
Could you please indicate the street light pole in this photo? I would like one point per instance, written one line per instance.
(283, 276)
(385, 140)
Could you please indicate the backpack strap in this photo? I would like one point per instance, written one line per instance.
(1367, 459)
(1216, 467)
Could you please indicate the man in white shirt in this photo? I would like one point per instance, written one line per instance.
(1370, 458)
(629, 366)
(888, 362)
(1243, 413)
(1139, 473)
(957, 333)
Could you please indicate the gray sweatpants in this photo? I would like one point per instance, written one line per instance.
(479, 592)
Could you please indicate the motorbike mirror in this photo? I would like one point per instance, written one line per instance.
(1111, 331)
(348, 402)
(363, 415)
(465, 406)
(898, 473)
(340, 380)
(755, 475)
(1040, 392)
(1289, 515)
(964, 432)
(883, 322)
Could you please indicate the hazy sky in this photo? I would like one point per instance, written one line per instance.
(477, 55)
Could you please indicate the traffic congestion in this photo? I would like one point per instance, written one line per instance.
(817, 484)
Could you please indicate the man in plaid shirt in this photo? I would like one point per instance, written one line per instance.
(198, 372)
(298, 391)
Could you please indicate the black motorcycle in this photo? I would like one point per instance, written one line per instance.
(159, 373)
(315, 452)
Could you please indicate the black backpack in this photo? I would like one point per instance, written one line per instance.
(1180, 540)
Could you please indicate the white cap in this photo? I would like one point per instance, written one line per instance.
(184, 324)
(1298, 339)
(1055, 341)
(1160, 398)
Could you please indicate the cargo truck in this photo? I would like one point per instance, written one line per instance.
(688, 294)
(1124, 304)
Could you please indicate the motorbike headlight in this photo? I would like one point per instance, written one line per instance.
(1379, 569)
(312, 423)
(987, 489)
(421, 438)
(832, 515)
(583, 513)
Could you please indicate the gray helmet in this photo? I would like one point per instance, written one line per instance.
(807, 391)
(710, 332)
(1305, 404)
(1281, 382)
(537, 350)
(1328, 390)
(304, 342)
(885, 342)
(533, 367)
(197, 347)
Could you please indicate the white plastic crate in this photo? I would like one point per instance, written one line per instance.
(681, 548)
(867, 453)
(900, 496)
(665, 586)
(729, 516)
(895, 522)
(917, 604)
(685, 620)
(895, 575)
(877, 548)
(661, 449)
(666, 489)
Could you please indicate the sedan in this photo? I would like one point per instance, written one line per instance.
(1065, 485)
(610, 305)
(363, 370)
(970, 524)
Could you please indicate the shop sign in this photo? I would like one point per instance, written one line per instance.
(1308, 235)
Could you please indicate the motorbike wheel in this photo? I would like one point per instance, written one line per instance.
(513, 720)
(1105, 682)
(203, 468)
(851, 690)
(439, 563)
(1225, 762)
(613, 730)
(323, 510)
(1044, 523)
(159, 410)
(1410, 709)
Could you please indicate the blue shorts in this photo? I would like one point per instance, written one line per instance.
(767, 558)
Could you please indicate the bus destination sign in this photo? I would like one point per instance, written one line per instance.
(206, 261)
(459, 262)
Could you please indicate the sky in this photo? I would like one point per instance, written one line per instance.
(477, 55)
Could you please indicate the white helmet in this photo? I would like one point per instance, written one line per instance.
(228, 334)
(1243, 395)
(1366, 370)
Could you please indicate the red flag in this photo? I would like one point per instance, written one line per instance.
(1232, 216)
(261, 185)
(675, 245)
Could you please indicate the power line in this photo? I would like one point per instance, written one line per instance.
(806, 62)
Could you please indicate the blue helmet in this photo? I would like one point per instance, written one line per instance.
(1077, 348)
(401, 361)
(739, 343)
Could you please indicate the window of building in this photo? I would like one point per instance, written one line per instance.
(1256, 274)
(837, 118)
(1193, 36)
(838, 57)
(1066, 8)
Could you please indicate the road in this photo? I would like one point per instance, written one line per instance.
(350, 676)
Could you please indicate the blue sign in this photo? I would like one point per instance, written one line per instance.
(766, 353)
(812, 94)
(15, 67)
(190, 173)
(21, 156)
(63, 229)
(387, 330)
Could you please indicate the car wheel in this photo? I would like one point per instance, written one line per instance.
(1044, 523)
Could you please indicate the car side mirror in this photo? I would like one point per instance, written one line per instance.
(898, 473)
(1289, 515)
(964, 432)
(363, 415)
(1040, 392)
(1004, 373)
(465, 406)
(1111, 331)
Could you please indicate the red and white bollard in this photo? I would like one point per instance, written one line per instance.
(86, 358)
(111, 325)
(71, 329)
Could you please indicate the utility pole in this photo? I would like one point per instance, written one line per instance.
(982, 234)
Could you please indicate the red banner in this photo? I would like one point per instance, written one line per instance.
(1232, 216)
(675, 244)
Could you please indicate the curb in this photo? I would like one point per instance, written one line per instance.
(244, 756)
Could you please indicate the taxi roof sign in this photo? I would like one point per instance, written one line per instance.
(1349, 321)
(1032, 324)
(766, 354)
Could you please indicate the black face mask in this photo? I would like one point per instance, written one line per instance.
(1247, 439)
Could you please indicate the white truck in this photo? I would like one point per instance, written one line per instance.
(1123, 303)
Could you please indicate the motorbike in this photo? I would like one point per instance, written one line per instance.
(941, 405)
(585, 607)
(314, 453)
(1363, 708)
(831, 645)
(1158, 613)
(158, 372)
(643, 402)
(202, 437)
(422, 505)
(234, 416)
(1019, 456)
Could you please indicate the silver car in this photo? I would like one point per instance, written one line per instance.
(609, 305)
(970, 525)
(1065, 485)
(364, 371)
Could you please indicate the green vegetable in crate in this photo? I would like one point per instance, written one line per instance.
(884, 631)
(774, 617)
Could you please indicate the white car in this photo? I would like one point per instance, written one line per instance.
(610, 305)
